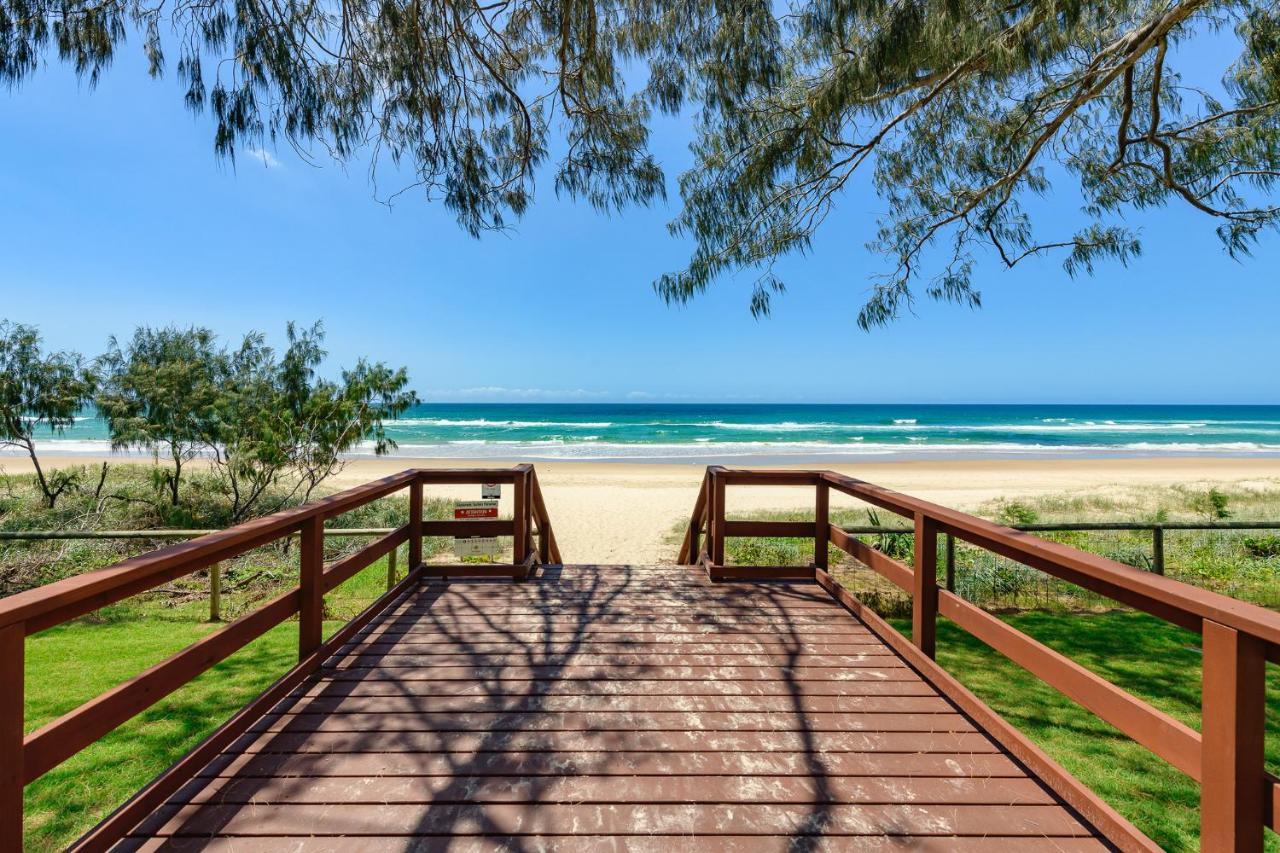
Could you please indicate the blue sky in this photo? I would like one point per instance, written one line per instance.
(116, 213)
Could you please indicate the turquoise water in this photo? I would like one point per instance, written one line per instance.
(777, 432)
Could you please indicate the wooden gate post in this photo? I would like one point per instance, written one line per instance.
(821, 524)
(1233, 706)
(924, 597)
(716, 543)
(12, 684)
(311, 583)
(520, 518)
(415, 526)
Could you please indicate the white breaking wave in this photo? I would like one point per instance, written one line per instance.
(784, 426)
(445, 422)
(702, 449)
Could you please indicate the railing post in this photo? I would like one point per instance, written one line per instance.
(1233, 706)
(215, 592)
(716, 540)
(519, 533)
(391, 567)
(311, 613)
(711, 515)
(950, 566)
(531, 544)
(695, 524)
(12, 685)
(924, 598)
(1157, 549)
(821, 524)
(415, 525)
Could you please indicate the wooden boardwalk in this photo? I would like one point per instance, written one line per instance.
(615, 708)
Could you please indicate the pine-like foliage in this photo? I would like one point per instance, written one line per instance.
(960, 112)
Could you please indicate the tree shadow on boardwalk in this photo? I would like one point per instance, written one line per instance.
(478, 694)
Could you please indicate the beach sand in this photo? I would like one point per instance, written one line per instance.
(609, 512)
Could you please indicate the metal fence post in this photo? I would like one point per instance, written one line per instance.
(215, 592)
(951, 563)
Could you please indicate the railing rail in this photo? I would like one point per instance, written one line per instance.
(1238, 797)
(27, 757)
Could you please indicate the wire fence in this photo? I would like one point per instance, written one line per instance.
(217, 591)
(1231, 557)
(1236, 558)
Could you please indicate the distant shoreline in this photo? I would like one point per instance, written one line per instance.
(775, 455)
(794, 434)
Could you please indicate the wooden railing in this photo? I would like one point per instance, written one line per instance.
(1238, 796)
(23, 759)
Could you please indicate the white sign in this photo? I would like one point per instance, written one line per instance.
(490, 491)
(476, 546)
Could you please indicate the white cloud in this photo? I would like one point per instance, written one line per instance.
(263, 156)
(650, 395)
(497, 393)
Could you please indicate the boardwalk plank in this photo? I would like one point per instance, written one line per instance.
(624, 844)
(626, 764)
(464, 789)
(620, 721)
(1031, 821)
(611, 708)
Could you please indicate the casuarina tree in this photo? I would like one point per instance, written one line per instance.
(969, 120)
(39, 391)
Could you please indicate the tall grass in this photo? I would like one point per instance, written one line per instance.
(1244, 564)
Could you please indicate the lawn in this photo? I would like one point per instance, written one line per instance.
(1147, 657)
(72, 663)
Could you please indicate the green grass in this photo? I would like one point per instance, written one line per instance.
(1147, 657)
(71, 664)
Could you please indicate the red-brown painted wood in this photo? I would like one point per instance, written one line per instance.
(12, 772)
(924, 588)
(415, 524)
(311, 587)
(560, 738)
(1232, 809)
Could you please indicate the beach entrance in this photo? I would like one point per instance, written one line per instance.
(698, 706)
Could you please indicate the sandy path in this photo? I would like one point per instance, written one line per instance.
(621, 512)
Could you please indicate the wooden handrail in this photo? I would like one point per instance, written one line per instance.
(1174, 601)
(75, 596)
(689, 548)
(28, 757)
(1238, 796)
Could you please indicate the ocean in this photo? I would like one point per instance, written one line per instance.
(789, 433)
